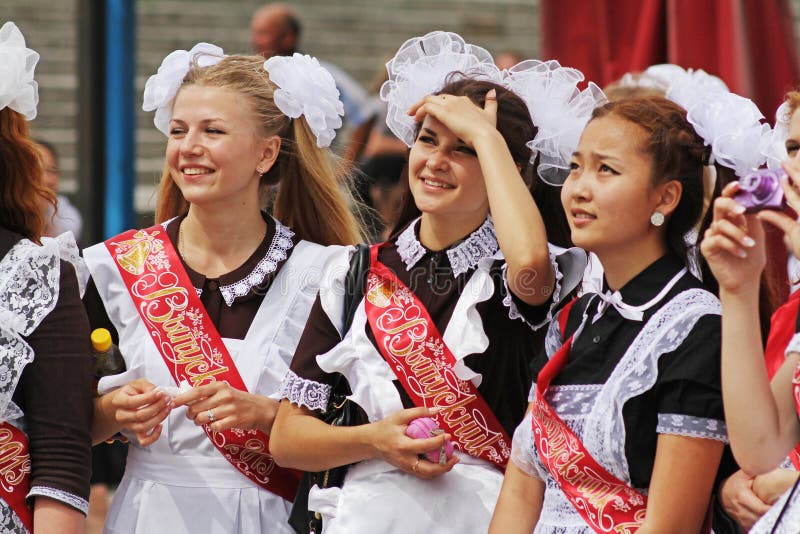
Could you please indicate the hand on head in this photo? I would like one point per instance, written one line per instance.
(459, 114)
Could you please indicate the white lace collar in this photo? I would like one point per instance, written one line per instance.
(277, 252)
(480, 244)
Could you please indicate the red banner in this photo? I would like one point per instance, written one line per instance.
(412, 346)
(15, 472)
(606, 503)
(190, 345)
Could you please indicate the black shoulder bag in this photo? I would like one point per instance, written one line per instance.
(340, 411)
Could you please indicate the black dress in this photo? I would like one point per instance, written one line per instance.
(51, 399)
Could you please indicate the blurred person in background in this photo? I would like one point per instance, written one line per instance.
(65, 217)
(275, 30)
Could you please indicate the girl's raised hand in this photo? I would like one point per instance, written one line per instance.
(459, 114)
(734, 243)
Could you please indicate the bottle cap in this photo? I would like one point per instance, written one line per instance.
(101, 339)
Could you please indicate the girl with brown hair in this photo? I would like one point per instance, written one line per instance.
(209, 304)
(444, 330)
(626, 427)
(45, 358)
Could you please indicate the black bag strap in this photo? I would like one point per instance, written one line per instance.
(355, 284)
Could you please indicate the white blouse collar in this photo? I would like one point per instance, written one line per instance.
(277, 252)
(480, 244)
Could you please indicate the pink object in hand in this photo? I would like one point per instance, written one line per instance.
(425, 427)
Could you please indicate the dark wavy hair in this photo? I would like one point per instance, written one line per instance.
(515, 125)
(23, 195)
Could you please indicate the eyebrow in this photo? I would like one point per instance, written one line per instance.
(429, 132)
(212, 119)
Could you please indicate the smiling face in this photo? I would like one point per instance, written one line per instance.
(445, 176)
(215, 145)
(608, 196)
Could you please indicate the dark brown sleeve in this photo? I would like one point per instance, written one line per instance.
(319, 336)
(55, 393)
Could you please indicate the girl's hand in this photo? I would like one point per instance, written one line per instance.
(770, 486)
(393, 446)
(225, 407)
(140, 408)
(734, 243)
(460, 115)
(740, 501)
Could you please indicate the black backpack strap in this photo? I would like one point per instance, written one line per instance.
(355, 284)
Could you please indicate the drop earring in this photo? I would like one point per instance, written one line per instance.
(657, 218)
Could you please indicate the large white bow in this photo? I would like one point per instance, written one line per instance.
(18, 90)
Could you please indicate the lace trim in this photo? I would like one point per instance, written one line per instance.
(66, 497)
(29, 288)
(10, 523)
(574, 400)
(408, 246)
(302, 392)
(794, 344)
(637, 371)
(513, 309)
(278, 251)
(479, 245)
(553, 339)
(482, 243)
(693, 427)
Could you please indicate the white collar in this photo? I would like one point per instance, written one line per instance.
(633, 313)
(277, 252)
(480, 244)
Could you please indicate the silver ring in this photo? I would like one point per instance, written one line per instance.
(210, 414)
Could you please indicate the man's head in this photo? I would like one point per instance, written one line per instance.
(275, 30)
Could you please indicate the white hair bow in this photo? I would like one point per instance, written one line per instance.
(18, 90)
(161, 87)
(307, 88)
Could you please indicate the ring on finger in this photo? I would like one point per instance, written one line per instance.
(415, 466)
(210, 414)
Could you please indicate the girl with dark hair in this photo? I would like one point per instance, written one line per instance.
(444, 329)
(626, 428)
(45, 356)
(209, 304)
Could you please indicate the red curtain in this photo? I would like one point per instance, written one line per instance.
(750, 44)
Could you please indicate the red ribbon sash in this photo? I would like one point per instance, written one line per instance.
(606, 503)
(15, 472)
(190, 345)
(412, 346)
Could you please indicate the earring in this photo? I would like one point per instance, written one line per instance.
(657, 218)
(260, 170)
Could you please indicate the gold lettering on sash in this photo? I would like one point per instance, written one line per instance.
(14, 462)
(407, 343)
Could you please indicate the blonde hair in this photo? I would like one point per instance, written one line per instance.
(310, 199)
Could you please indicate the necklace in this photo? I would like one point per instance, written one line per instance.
(181, 250)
